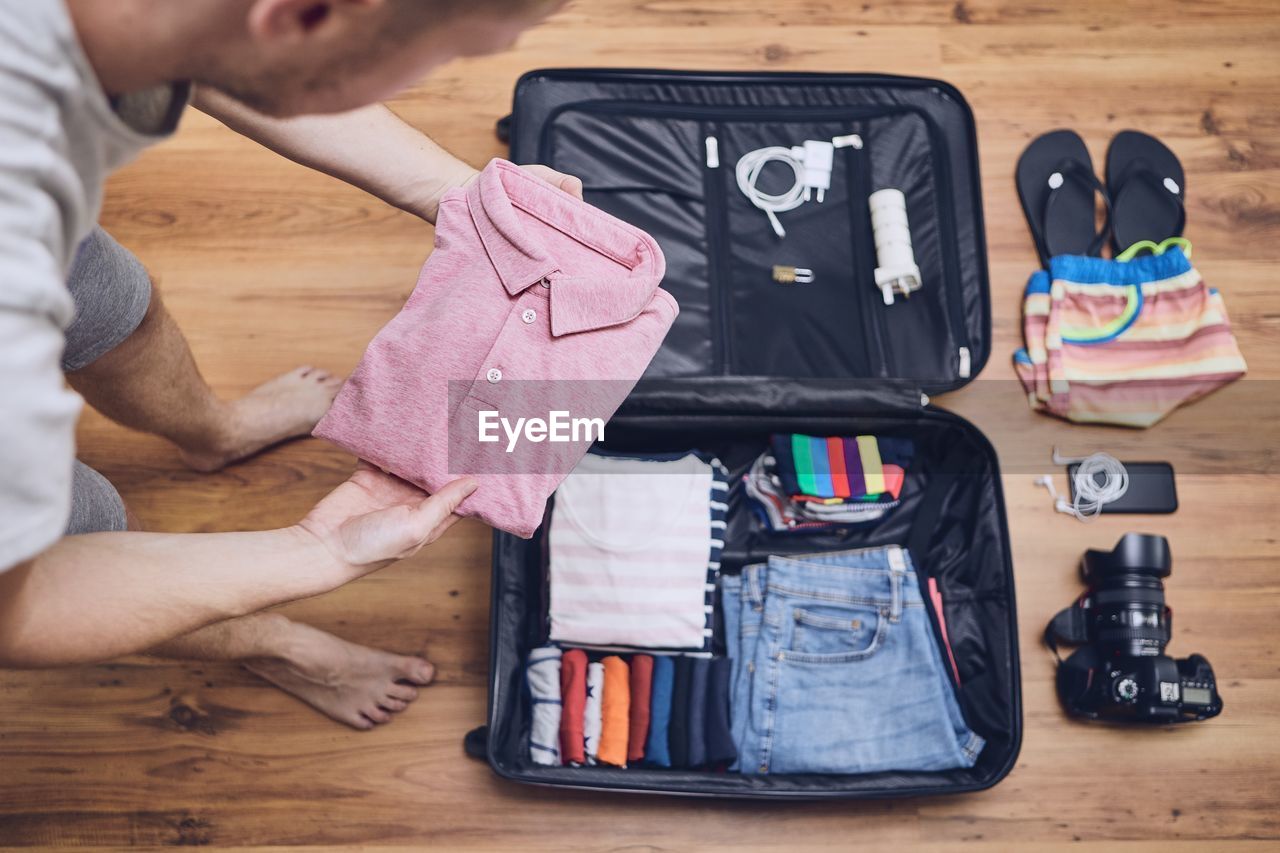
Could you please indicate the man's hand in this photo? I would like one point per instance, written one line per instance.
(102, 595)
(559, 180)
(565, 183)
(374, 518)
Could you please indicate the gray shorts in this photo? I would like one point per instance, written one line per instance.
(112, 293)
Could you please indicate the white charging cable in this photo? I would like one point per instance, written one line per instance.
(812, 165)
(751, 164)
(1090, 494)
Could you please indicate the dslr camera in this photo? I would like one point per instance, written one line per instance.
(1122, 626)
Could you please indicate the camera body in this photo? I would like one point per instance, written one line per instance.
(1122, 625)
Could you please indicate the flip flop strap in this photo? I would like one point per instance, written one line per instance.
(1141, 169)
(1070, 168)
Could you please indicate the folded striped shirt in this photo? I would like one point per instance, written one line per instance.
(836, 469)
(634, 549)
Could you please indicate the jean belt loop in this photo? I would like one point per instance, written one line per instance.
(751, 585)
(897, 572)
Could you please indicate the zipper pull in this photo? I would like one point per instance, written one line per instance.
(886, 290)
(713, 152)
(849, 140)
(965, 367)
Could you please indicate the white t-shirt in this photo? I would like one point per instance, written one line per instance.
(630, 542)
(60, 136)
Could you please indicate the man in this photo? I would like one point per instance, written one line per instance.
(84, 86)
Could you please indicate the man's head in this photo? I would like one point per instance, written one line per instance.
(287, 57)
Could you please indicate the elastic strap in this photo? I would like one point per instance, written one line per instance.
(930, 510)
(1069, 626)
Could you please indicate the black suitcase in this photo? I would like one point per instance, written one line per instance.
(749, 356)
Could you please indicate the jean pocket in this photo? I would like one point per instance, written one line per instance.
(829, 634)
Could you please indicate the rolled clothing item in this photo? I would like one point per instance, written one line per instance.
(696, 752)
(641, 689)
(593, 720)
(721, 751)
(615, 712)
(678, 730)
(573, 699)
(657, 751)
(543, 677)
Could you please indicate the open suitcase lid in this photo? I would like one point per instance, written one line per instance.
(659, 149)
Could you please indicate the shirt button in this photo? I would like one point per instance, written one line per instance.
(494, 375)
(529, 315)
(546, 282)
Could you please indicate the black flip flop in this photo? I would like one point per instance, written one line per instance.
(1147, 187)
(1056, 185)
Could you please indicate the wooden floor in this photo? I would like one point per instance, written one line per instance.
(267, 266)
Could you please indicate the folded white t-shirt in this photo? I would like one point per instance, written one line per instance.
(629, 543)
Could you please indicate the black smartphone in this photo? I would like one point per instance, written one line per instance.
(1151, 489)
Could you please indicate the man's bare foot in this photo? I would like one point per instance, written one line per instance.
(352, 684)
(286, 407)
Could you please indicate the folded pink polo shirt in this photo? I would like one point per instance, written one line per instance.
(532, 301)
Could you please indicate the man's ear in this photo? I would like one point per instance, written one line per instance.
(292, 20)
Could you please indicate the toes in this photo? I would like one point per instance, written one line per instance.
(417, 671)
(376, 714)
(404, 692)
(393, 705)
(358, 721)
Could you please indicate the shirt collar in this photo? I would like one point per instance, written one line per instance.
(504, 191)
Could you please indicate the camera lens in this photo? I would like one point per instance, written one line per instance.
(1128, 614)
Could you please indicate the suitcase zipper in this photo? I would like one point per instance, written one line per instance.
(858, 177)
(713, 198)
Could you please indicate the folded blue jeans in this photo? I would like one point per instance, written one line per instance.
(836, 668)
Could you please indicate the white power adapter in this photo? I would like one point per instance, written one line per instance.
(896, 268)
(812, 163)
(817, 157)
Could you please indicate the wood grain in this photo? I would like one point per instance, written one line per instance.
(267, 266)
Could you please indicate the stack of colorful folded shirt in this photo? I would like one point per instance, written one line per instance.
(807, 481)
(660, 711)
(634, 549)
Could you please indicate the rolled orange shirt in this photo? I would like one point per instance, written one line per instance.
(616, 712)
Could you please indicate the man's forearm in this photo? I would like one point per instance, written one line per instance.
(102, 595)
(371, 148)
